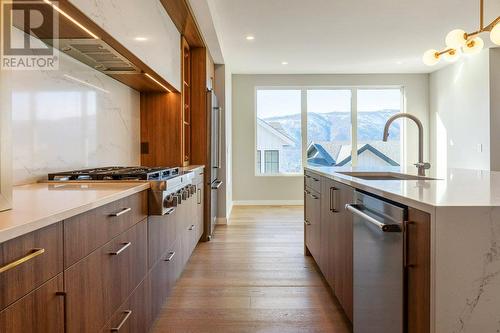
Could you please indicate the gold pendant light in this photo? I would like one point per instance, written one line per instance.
(458, 41)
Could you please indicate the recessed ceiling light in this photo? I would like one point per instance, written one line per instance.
(399, 62)
(140, 39)
(250, 37)
(284, 62)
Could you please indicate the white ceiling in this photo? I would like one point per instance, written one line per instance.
(336, 36)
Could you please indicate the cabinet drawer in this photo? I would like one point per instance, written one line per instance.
(189, 230)
(312, 224)
(40, 311)
(86, 232)
(313, 181)
(162, 233)
(100, 283)
(163, 276)
(28, 261)
(134, 315)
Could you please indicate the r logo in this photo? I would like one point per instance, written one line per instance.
(37, 18)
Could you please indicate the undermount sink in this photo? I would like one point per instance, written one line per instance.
(384, 176)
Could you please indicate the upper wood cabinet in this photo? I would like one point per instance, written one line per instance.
(146, 30)
(186, 103)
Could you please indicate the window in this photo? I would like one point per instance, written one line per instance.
(332, 118)
(258, 167)
(279, 131)
(375, 107)
(272, 161)
(328, 126)
(344, 127)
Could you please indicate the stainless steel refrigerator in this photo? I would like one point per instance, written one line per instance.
(215, 158)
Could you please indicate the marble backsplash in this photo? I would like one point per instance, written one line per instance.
(73, 117)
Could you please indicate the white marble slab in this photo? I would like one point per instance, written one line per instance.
(467, 270)
(73, 117)
(455, 187)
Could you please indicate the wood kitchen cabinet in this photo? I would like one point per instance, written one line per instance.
(418, 270)
(134, 315)
(343, 238)
(28, 261)
(42, 310)
(331, 245)
(109, 269)
(335, 244)
(312, 220)
(328, 239)
(97, 285)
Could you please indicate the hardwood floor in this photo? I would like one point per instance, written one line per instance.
(253, 277)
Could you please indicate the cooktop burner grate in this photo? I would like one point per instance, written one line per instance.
(117, 173)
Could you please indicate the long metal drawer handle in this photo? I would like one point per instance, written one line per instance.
(382, 226)
(333, 199)
(127, 315)
(170, 211)
(172, 255)
(123, 248)
(33, 253)
(121, 212)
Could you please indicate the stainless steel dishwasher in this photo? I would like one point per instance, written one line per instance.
(378, 265)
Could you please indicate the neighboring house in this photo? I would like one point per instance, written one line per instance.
(374, 154)
(271, 139)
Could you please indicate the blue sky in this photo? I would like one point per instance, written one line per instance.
(273, 103)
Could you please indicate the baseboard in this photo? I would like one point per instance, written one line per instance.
(221, 220)
(268, 202)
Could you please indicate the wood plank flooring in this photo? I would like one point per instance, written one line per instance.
(253, 277)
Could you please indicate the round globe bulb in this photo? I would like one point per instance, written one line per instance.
(473, 46)
(430, 57)
(456, 38)
(452, 55)
(495, 34)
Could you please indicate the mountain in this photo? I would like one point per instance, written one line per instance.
(336, 126)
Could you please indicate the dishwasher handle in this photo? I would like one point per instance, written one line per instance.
(353, 208)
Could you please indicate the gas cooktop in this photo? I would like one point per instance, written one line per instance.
(117, 173)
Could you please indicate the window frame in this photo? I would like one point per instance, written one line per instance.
(270, 151)
(354, 120)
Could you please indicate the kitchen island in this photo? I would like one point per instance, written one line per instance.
(457, 218)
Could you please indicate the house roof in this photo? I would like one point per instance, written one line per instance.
(276, 130)
(330, 154)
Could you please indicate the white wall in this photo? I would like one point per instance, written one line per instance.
(248, 188)
(495, 108)
(73, 117)
(460, 114)
(126, 19)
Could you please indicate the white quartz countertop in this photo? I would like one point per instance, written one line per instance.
(38, 205)
(453, 188)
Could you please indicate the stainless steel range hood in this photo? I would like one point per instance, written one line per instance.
(97, 54)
